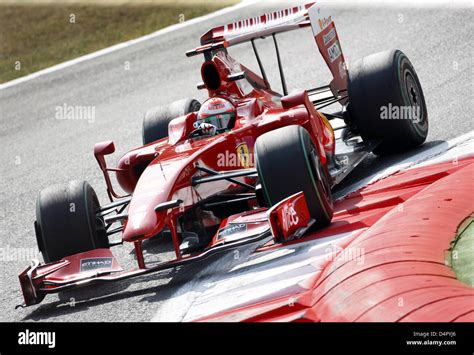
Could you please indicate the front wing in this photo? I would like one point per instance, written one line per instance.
(287, 220)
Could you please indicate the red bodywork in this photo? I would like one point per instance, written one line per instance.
(167, 177)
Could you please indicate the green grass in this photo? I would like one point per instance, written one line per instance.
(38, 35)
(462, 254)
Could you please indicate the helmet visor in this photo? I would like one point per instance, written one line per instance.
(221, 120)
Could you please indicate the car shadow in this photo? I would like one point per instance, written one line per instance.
(87, 298)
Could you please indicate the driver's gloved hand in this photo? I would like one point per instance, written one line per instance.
(208, 129)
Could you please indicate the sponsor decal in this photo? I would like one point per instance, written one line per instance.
(242, 158)
(216, 106)
(243, 155)
(231, 229)
(289, 216)
(334, 52)
(324, 22)
(96, 263)
(328, 37)
(276, 17)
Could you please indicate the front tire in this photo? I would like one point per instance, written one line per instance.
(287, 163)
(378, 85)
(66, 223)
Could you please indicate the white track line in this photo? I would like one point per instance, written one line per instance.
(122, 45)
(452, 149)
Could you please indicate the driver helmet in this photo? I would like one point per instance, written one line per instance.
(217, 111)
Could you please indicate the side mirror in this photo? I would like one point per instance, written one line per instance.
(180, 127)
(101, 149)
(104, 148)
(295, 99)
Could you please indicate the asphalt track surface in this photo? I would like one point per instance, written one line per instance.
(38, 150)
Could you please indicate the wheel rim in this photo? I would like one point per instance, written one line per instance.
(317, 167)
(414, 98)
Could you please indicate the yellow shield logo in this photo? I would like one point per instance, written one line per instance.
(243, 155)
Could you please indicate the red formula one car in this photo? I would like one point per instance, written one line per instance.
(248, 164)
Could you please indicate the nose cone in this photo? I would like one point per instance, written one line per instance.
(151, 190)
(143, 224)
(158, 184)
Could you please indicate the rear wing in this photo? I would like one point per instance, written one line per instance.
(311, 15)
(260, 26)
(256, 27)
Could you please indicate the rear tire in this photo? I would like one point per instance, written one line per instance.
(156, 120)
(378, 83)
(287, 163)
(66, 223)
